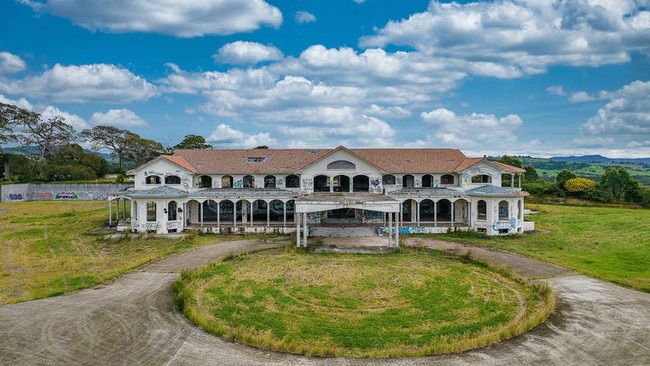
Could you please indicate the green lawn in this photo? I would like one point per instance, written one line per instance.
(412, 303)
(611, 243)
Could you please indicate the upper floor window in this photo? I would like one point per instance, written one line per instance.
(447, 179)
(341, 165)
(388, 179)
(482, 178)
(152, 179)
(292, 181)
(172, 179)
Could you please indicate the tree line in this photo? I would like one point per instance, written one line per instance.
(616, 185)
(51, 151)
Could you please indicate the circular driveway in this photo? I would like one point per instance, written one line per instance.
(133, 320)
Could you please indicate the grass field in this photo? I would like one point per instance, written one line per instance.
(610, 243)
(45, 249)
(412, 303)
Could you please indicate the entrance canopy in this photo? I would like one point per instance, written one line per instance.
(332, 201)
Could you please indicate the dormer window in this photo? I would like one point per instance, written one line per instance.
(256, 159)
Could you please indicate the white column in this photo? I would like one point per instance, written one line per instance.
(110, 213)
(298, 232)
(390, 229)
(304, 229)
(284, 214)
(219, 215)
(452, 213)
(250, 207)
(268, 214)
(234, 214)
(435, 213)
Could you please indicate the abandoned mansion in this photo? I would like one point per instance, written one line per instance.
(386, 191)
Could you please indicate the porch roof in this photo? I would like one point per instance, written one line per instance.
(330, 201)
(494, 191)
(157, 192)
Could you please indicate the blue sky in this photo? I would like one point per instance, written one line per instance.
(523, 77)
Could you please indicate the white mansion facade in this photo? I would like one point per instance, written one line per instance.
(391, 191)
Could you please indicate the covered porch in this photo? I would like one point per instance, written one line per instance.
(342, 211)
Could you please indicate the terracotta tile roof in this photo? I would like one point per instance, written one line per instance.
(251, 161)
(291, 161)
(413, 160)
(181, 161)
(507, 168)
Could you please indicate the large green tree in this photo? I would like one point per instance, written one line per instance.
(71, 162)
(618, 183)
(123, 144)
(48, 134)
(192, 142)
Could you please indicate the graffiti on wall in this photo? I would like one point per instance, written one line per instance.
(313, 217)
(509, 225)
(43, 195)
(375, 185)
(16, 197)
(66, 196)
(404, 230)
(238, 184)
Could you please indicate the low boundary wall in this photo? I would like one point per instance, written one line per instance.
(59, 192)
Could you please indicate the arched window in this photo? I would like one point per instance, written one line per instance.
(388, 180)
(172, 179)
(206, 181)
(341, 183)
(427, 181)
(151, 211)
(427, 210)
(408, 181)
(292, 181)
(482, 178)
(503, 210)
(341, 165)
(226, 181)
(360, 183)
(447, 179)
(152, 179)
(249, 181)
(321, 183)
(482, 210)
(172, 207)
(269, 181)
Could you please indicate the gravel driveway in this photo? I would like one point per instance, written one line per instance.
(133, 321)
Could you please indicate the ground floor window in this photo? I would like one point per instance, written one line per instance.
(151, 211)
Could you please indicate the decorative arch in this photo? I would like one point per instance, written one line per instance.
(341, 165)
(427, 210)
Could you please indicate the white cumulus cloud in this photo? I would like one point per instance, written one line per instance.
(305, 17)
(85, 83)
(178, 18)
(117, 117)
(10, 63)
(241, 52)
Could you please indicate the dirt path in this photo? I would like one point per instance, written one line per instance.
(134, 321)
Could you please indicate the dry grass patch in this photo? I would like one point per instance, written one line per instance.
(418, 302)
(45, 249)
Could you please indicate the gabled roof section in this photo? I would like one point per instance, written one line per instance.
(353, 152)
(470, 162)
(413, 160)
(251, 161)
(180, 161)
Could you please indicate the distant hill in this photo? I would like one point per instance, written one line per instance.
(598, 159)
